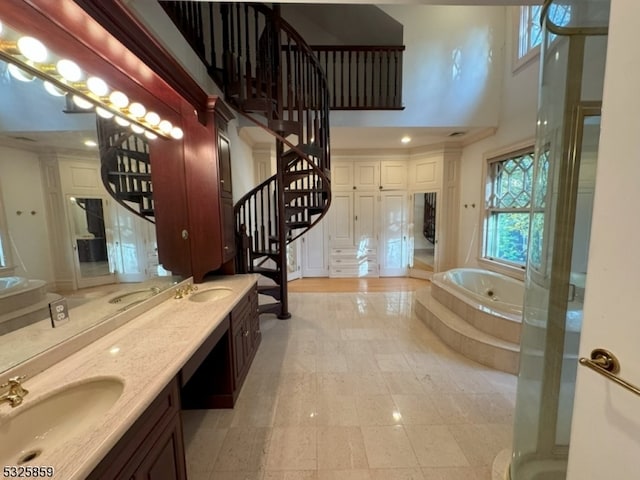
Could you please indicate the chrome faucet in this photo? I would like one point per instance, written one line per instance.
(16, 391)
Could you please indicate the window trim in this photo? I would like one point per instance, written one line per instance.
(513, 150)
(532, 55)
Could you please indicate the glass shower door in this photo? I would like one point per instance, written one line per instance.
(564, 181)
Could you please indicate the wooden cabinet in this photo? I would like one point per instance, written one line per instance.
(369, 175)
(213, 376)
(393, 175)
(245, 331)
(226, 191)
(354, 234)
(193, 213)
(153, 448)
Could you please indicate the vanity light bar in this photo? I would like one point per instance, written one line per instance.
(29, 55)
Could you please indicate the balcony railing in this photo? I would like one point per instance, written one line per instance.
(362, 77)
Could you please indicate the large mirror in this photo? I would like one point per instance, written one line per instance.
(61, 234)
(424, 231)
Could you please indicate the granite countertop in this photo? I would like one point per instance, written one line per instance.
(145, 354)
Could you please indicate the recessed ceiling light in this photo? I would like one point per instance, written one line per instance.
(90, 143)
(405, 139)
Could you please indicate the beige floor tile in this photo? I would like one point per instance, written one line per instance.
(481, 443)
(369, 383)
(296, 410)
(392, 362)
(417, 410)
(290, 475)
(332, 363)
(243, 449)
(341, 448)
(377, 410)
(344, 475)
(259, 385)
(388, 447)
(298, 383)
(235, 476)
(435, 446)
(337, 384)
(403, 383)
(347, 363)
(193, 420)
(362, 362)
(292, 448)
(254, 411)
(456, 408)
(398, 474)
(457, 473)
(336, 410)
(202, 448)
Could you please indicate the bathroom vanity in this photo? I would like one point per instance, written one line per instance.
(196, 349)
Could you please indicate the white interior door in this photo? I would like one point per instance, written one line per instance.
(605, 438)
(130, 247)
(90, 234)
(393, 242)
(293, 260)
(315, 251)
(341, 216)
(366, 214)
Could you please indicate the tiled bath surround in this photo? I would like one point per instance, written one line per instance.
(355, 387)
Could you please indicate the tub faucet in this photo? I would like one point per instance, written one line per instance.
(16, 391)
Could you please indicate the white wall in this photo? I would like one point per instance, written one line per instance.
(518, 106)
(21, 186)
(432, 94)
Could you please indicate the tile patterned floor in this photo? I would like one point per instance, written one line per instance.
(355, 387)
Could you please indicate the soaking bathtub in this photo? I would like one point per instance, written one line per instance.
(487, 300)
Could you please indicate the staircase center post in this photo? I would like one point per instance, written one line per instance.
(282, 235)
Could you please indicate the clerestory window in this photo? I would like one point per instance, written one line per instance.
(530, 29)
(508, 208)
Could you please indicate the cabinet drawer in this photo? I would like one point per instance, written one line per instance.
(346, 251)
(343, 261)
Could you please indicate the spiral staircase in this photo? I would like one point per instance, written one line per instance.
(272, 78)
(126, 167)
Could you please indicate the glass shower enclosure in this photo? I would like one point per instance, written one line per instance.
(572, 73)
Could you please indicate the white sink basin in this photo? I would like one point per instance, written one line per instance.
(210, 294)
(31, 430)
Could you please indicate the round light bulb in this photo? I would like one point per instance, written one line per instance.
(82, 103)
(137, 109)
(405, 139)
(137, 128)
(104, 113)
(152, 118)
(69, 70)
(150, 135)
(119, 99)
(33, 49)
(177, 133)
(165, 126)
(97, 86)
(122, 122)
(19, 74)
(53, 90)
